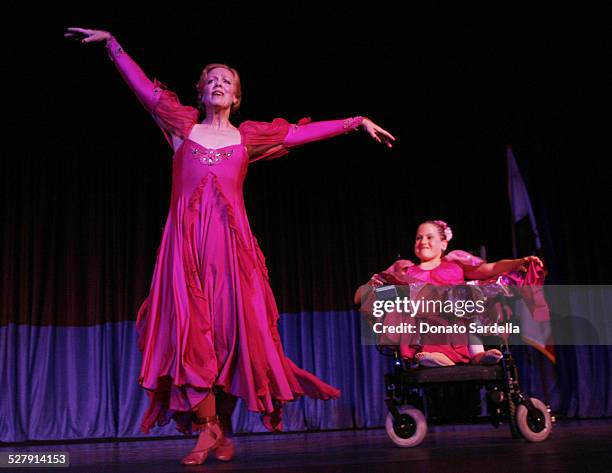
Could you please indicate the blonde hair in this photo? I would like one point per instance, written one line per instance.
(202, 83)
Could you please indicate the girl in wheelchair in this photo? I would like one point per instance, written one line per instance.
(438, 268)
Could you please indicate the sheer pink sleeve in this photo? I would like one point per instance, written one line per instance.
(172, 117)
(464, 258)
(265, 140)
(273, 140)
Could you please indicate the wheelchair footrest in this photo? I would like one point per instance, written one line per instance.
(445, 374)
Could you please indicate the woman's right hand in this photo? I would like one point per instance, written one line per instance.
(87, 36)
(378, 133)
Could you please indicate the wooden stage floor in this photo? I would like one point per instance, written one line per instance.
(574, 446)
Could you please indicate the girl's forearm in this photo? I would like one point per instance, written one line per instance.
(505, 266)
(490, 270)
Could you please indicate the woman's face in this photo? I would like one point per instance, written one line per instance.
(428, 244)
(220, 89)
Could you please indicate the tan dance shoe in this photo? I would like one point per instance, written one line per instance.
(226, 449)
(211, 436)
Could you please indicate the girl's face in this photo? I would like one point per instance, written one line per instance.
(429, 245)
(220, 89)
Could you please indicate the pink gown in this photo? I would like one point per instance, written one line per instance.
(210, 320)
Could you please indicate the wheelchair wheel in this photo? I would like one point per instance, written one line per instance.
(409, 430)
(529, 428)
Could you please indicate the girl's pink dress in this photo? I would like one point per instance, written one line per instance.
(450, 272)
(210, 320)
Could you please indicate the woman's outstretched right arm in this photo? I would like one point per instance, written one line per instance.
(130, 71)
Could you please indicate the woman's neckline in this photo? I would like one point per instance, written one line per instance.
(209, 125)
(214, 149)
(208, 148)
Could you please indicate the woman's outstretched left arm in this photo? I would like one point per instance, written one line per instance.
(301, 134)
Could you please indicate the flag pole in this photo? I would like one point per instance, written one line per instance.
(530, 360)
(509, 179)
(512, 230)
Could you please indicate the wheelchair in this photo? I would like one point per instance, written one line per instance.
(416, 396)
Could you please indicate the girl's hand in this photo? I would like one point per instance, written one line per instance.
(378, 133)
(524, 262)
(375, 281)
(87, 36)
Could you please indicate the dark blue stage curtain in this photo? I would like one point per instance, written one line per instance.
(81, 382)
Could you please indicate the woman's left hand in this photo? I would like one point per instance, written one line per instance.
(379, 134)
(524, 262)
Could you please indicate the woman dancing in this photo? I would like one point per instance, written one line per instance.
(208, 328)
(440, 269)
